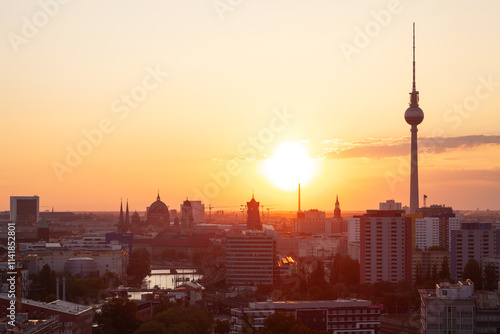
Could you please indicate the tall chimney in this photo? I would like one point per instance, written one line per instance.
(64, 287)
(57, 288)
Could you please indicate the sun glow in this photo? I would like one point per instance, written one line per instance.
(289, 165)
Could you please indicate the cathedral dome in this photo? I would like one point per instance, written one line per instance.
(158, 212)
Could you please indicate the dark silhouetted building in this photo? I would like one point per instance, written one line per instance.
(24, 210)
(157, 213)
(187, 218)
(253, 216)
(43, 233)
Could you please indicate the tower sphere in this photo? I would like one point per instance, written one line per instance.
(414, 115)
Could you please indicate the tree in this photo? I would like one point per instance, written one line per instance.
(444, 273)
(434, 275)
(222, 327)
(139, 265)
(117, 316)
(280, 323)
(186, 320)
(472, 271)
(152, 327)
(490, 277)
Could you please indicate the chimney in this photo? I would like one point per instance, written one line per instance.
(64, 287)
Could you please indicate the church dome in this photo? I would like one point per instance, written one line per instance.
(158, 206)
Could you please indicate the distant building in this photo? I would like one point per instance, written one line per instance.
(311, 221)
(24, 210)
(385, 246)
(198, 211)
(332, 316)
(390, 204)
(472, 241)
(187, 218)
(337, 224)
(253, 216)
(43, 232)
(251, 258)
(158, 214)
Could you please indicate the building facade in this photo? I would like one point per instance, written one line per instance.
(385, 246)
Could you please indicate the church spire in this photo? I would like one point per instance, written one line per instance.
(127, 217)
(337, 212)
(120, 221)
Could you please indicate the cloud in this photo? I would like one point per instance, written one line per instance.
(377, 148)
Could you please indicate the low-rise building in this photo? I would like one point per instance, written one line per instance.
(335, 316)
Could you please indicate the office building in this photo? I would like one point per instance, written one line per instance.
(390, 204)
(24, 210)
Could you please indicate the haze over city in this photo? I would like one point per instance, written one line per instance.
(211, 103)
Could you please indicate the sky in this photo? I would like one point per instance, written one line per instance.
(121, 99)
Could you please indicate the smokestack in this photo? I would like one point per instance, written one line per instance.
(57, 288)
(299, 197)
(64, 287)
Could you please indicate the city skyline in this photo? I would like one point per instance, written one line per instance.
(194, 99)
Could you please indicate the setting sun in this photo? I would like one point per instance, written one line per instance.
(289, 165)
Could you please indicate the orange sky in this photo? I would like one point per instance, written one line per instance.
(171, 95)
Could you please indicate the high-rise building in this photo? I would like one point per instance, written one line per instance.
(251, 254)
(414, 116)
(353, 229)
(250, 258)
(24, 209)
(427, 232)
(385, 246)
(472, 241)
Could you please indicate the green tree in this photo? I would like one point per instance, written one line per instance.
(139, 265)
(472, 271)
(434, 275)
(117, 316)
(490, 277)
(222, 327)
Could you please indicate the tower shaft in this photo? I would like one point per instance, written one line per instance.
(414, 171)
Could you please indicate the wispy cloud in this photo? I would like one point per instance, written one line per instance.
(377, 148)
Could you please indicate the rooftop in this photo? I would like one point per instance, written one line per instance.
(57, 305)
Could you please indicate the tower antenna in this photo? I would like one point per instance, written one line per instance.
(414, 83)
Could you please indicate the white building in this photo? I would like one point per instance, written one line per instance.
(353, 229)
(427, 232)
(198, 211)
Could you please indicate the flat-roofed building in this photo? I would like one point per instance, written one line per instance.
(340, 316)
(74, 318)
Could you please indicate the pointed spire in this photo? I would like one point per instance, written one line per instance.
(127, 217)
(158, 197)
(337, 201)
(120, 221)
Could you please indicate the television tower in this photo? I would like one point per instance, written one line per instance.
(414, 116)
